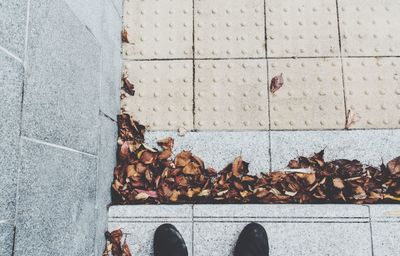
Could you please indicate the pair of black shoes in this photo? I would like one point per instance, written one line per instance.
(253, 241)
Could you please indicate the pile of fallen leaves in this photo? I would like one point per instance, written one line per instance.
(114, 246)
(148, 175)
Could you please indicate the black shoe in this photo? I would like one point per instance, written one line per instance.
(169, 242)
(253, 241)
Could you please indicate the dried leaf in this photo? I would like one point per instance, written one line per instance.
(124, 36)
(127, 85)
(351, 118)
(394, 166)
(276, 83)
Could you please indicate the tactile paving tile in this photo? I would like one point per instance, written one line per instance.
(231, 94)
(373, 91)
(164, 93)
(370, 27)
(302, 28)
(311, 96)
(225, 29)
(158, 29)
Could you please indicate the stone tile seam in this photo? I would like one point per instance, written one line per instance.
(98, 41)
(57, 146)
(268, 58)
(10, 54)
(7, 221)
(279, 130)
(341, 58)
(193, 71)
(370, 230)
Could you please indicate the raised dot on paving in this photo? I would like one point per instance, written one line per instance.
(373, 91)
(164, 94)
(301, 28)
(158, 29)
(311, 96)
(370, 27)
(231, 95)
(225, 30)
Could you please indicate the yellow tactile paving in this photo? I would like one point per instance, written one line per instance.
(229, 29)
(370, 27)
(311, 97)
(373, 91)
(231, 95)
(164, 93)
(302, 28)
(158, 29)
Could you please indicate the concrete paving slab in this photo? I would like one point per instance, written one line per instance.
(385, 238)
(164, 89)
(6, 237)
(151, 212)
(302, 28)
(235, 30)
(140, 236)
(158, 29)
(56, 201)
(231, 95)
(311, 97)
(385, 213)
(369, 27)
(356, 144)
(13, 26)
(337, 239)
(217, 149)
(373, 91)
(285, 211)
(11, 83)
(62, 79)
(90, 13)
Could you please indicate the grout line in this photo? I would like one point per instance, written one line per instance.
(107, 116)
(24, 63)
(193, 230)
(341, 60)
(370, 230)
(269, 58)
(194, 68)
(280, 130)
(56, 146)
(268, 92)
(11, 54)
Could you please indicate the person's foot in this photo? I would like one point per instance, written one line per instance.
(253, 241)
(169, 242)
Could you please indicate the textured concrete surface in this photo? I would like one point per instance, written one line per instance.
(12, 26)
(56, 201)
(111, 61)
(163, 93)
(373, 91)
(89, 12)
(140, 237)
(11, 79)
(368, 146)
(6, 237)
(292, 229)
(369, 27)
(217, 149)
(385, 229)
(106, 164)
(231, 95)
(62, 79)
(319, 46)
(66, 82)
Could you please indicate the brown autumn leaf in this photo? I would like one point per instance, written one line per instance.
(167, 143)
(338, 183)
(192, 169)
(276, 83)
(124, 36)
(237, 166)
(393, 166)
(351, 119)
(183, 158)
(127, 85)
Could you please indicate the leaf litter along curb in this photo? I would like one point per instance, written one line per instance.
(149, 175)
(114, 245)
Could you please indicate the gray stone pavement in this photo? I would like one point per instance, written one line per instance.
(273, 150)
(353, 230)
